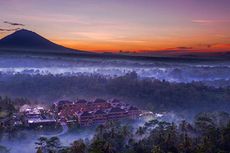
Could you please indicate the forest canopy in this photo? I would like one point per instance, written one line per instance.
(155, 94)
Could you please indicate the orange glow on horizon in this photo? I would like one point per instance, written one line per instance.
(144, 45)
(139, 47)
(123, 25)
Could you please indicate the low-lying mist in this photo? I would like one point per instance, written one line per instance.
(25, 140)
(160, 70)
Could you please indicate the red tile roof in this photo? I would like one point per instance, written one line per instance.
(100, 101)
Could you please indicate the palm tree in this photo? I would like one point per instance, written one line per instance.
(39, 150)
(156, 149)
(78, 146)
(4, 149)
(183, 126)
(204, 123)
(52, 144)
(125, 131)
(140, 131)
(97, 146)
(100, 131)
(108, 148)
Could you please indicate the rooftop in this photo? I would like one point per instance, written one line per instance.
(81, 101)
(98, 100)
(86, 114)
(99, 112)
(133, 108)
(64, 102)
(115, 101)
(116, 109)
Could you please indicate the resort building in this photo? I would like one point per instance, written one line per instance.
(117, 113)
(98, 111)
(101, 104)
(100, 116)
(85, 119)
(133, 112)
(63, 104)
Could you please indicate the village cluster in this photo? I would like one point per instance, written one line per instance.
(82, 112)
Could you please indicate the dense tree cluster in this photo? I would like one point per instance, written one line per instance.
(161, 95)
(4, 149)
(210, 133)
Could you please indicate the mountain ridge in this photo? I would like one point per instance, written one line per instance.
(28, 40)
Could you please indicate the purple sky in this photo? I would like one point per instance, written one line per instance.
(124, 24)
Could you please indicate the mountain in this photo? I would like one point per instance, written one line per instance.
(28, 41)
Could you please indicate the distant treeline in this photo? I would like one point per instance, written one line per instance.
(152, 94)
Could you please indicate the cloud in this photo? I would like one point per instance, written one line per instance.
(183, 48)
(206, 45)
(13, 23)
(215, 46)
(6, 30)
(223, 45)
(180, 48)
(210, 21)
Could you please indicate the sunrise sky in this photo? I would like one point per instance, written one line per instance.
(128, 25)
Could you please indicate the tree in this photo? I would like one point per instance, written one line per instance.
(3, 149)
(126, 131)
(108, 148)
(97, 146)
(204, 122)
(51, 145)
(140, 131)
(78, 146)
(100, 131)
(157, 149)
(39, 150)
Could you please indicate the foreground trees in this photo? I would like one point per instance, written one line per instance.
(48, 145)
(205, 135)
(78, 146)
(4, 149)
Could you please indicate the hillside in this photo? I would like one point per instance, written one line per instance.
(28, 41)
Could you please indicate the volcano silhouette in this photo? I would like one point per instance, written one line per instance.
(25, 40)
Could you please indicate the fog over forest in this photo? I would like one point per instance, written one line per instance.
(159, 85)
(162, 70)
(181, 90)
